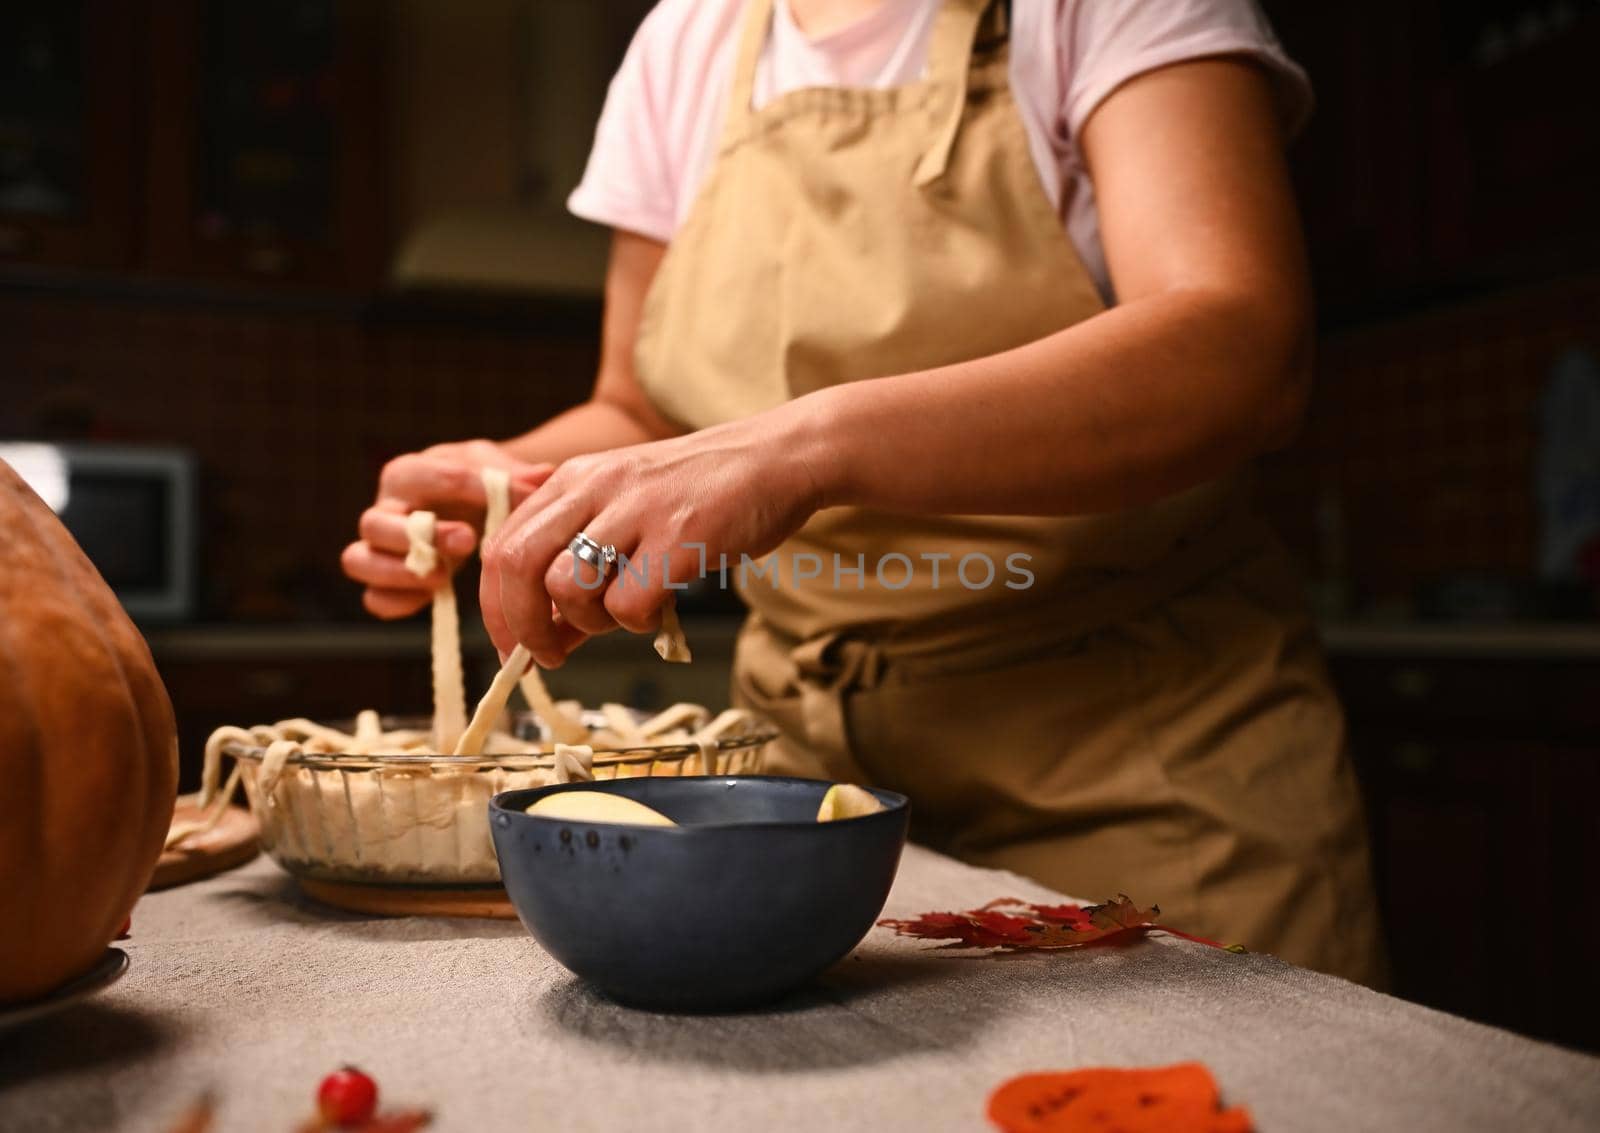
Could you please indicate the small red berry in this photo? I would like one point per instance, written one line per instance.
(347, 1097)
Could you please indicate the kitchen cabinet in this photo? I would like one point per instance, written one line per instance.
(1452, 148)
(329, 145)
(1481, 775)
(199, 140)
(68, 156)
(263, 159)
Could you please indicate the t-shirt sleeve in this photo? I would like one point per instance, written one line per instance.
(1104, 43)
(627, 182)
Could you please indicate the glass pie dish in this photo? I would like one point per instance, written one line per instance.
(422, 820)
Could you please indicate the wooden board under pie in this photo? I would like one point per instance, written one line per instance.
(231, 842)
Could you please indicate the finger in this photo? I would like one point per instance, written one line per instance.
(524, 602)
(635, 598)
(449, 488)
(568, 638)
(384, 525)
(392, 604)
(494, 619)
(527, 479)
(578, 590)
(389, 571)
(525, 548)
(385, 529)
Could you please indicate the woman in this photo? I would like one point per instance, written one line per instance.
(858, 312)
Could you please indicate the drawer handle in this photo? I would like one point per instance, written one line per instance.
(266, 684)
(1413, 757)
(1411, 682)
(15, 241)
(269, 261)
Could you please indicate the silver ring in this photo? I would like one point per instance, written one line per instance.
(595, 554)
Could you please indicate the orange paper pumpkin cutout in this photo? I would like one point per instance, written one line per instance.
(1165, 1099)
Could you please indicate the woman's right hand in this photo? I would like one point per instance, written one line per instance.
(446, 480)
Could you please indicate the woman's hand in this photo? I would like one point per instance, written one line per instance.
(667, 507)
(446, 480)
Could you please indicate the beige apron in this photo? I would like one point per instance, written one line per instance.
(1151, 715)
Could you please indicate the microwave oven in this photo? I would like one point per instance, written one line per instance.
(131, 509)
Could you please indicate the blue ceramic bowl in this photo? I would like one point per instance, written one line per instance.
(748, 898)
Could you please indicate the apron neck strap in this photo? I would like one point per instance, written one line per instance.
(950, 49)
(752, 38)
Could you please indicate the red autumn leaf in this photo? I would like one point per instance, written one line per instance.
(1011, 925)
(1002, 928)
(980, 928)
(1071, 916)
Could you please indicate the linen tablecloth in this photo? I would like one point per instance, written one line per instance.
(240, 986)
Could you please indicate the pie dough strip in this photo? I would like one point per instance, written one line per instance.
(621, 720)
(183, 831)
(708, 738)
(724, 723)
(493, 703)
(680, 715)
(369, 732)
(497, 495)
(671, 645)
(421, 555)
(573, 763)
(211, 774)
(563, 728)
(300, 728)
(449, 689)
(272, 765)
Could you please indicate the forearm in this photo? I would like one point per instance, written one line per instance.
(594, 426)
(1132, 405)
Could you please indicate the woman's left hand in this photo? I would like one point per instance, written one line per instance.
(668, 507)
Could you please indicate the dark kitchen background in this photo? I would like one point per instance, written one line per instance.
(295, 238)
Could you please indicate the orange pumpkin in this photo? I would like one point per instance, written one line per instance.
(88, 753)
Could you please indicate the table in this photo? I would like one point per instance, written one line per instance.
(240, 986)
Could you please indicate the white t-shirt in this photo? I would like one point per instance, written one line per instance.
(664, 114)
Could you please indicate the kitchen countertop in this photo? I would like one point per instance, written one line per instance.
(239, 986)
(1510, 640)
(1539, 641)
(245, 641)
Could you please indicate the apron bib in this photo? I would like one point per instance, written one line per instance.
(1150, 715)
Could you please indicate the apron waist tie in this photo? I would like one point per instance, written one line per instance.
(827, 668)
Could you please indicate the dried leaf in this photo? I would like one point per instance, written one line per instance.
(1011, 925)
